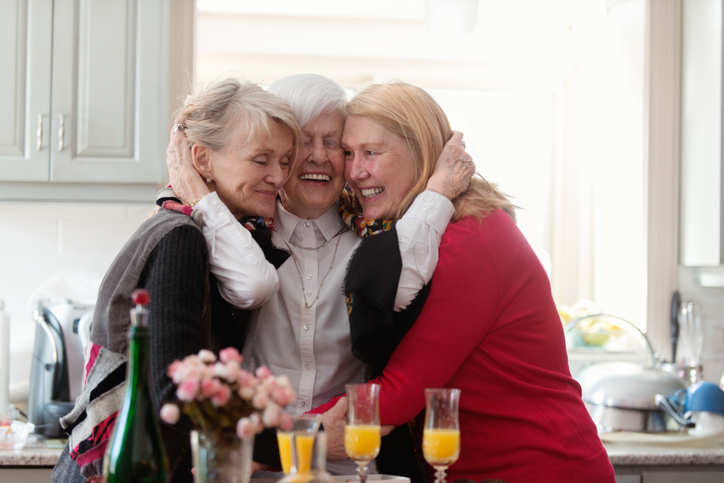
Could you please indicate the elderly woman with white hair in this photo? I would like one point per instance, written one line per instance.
(302, 331)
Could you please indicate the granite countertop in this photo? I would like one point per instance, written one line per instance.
(34, 454)
(640, 449)
(621, 451)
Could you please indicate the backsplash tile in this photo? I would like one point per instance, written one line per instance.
(40, 240)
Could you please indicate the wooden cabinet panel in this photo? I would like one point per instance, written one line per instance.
(85, 95)
(25, 57)
(106, 55)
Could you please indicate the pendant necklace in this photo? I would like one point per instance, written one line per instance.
(331, 265)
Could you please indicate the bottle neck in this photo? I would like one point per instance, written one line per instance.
(138, 356)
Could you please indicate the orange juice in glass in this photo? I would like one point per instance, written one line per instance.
(304, 429)
(362, 431)
(362, 441)
(441, 446)
(441, 433)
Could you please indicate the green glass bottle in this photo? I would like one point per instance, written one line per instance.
(135, 452)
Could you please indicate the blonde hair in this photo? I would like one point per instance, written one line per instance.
(412, 114)
(212, 114)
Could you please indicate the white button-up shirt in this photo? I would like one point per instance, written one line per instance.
(303, 330)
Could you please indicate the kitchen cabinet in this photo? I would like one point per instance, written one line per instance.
(702, 204)
(83, 96)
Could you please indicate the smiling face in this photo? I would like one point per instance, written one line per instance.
(378, 166)
(247, 174)
(318, 177)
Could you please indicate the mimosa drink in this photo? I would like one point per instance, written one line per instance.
(441, 446)
(362, 441)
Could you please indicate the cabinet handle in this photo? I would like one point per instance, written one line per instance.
(61, 132)
(39, 133)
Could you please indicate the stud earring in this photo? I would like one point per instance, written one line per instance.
(208, 180)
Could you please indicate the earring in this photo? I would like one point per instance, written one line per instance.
(208, 180)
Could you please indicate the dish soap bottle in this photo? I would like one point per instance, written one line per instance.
(135, 452)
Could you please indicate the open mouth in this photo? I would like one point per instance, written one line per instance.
(315, 177)
(371, 192)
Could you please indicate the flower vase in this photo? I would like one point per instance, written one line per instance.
(221, 456)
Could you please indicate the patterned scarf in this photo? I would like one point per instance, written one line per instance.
(364, 227)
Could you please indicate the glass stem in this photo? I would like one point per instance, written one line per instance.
(440, 474)
(362, 472)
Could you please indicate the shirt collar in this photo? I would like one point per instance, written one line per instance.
(329, 223)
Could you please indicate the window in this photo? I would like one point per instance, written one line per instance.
(549, 95)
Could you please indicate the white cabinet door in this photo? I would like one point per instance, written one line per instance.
(26, 28)
(702, 195)
(109, 91)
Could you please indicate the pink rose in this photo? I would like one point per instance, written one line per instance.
(209, 387)
(173, 367)
(286, 422)
(206, 356)
(220, 370)
(263, 372)
(187, 390)
(271, 415)
(170, 413)
(230, 354)
(282, 396)
(260, 400)
(246, 392)
(222, 396)
(244, 428)
(232, 371)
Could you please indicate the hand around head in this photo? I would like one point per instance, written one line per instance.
(187, 183)
(334, 421)
(453, 170)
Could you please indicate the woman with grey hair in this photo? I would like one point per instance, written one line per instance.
(242, 141)
(302, 331)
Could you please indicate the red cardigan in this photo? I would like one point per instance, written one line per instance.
(490, 328)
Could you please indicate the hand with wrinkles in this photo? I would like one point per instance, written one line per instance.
(188, 185)
(453, 169)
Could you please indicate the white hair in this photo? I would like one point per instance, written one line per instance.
(309, 95)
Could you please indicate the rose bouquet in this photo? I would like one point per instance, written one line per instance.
(218, 395)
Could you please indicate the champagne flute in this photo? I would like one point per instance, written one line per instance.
(362, 431)
(441, 433)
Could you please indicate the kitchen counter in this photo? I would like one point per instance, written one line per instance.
(652, 455)
(32, 464)
(639, 461)
(665, 458)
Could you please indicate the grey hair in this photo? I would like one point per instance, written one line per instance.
(309, 95)
(212, 114)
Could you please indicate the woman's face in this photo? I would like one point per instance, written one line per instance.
(379, 167)
(248, 174)
(318, 177)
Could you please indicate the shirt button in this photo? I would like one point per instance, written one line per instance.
(302, 403)
(307, 224)
(309, 276)
(306, 327)
(307, 366)
(309, 294)
(214, 202)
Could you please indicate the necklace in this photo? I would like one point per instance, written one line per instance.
(342, 230)
(331, 265)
